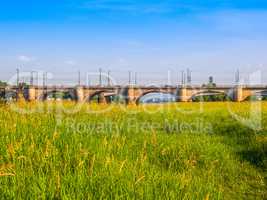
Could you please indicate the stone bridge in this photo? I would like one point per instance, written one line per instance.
(131, 94)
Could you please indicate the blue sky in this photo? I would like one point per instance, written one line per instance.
(212, 37)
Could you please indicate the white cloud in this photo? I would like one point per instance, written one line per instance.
(70, 62)
(24, 58)
(122, 61)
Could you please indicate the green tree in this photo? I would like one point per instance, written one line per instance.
(3, 84)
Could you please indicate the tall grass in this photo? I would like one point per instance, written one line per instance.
(182, 151)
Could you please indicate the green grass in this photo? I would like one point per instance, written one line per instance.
(176, 151)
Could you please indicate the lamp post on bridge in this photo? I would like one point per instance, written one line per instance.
(32, 78)
(44, 79)
(183, 90)
(130, 77)
(237, 77)
(183, 78)
(31, 81)
(189, 76)
(17, 77)
(79, 78)
(108, 77)
(100, 77)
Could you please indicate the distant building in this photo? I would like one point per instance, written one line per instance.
(211, 83)
(210, 80)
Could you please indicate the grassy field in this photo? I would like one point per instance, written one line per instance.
(175, 151)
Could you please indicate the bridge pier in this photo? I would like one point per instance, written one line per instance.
(21, 94)
(31, 93)
(80, 94)
(102, 98)
(183, 95)
(238, 94)
(130, 97)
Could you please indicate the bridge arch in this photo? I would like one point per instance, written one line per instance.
(162, 94)
(2, 95)
(58, 95)
(257, 95)
(9, 95)
(104, 96)
(211, 95)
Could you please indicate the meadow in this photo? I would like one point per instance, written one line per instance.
(172, 151)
